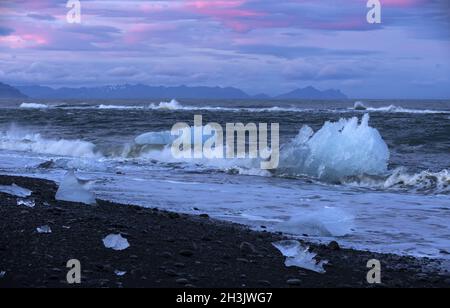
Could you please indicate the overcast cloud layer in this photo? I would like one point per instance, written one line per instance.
(266, 46)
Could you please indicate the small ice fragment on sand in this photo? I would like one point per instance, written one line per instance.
(26, 202)
(120, 273)
(15, 190)
(298, 255)
(44, 229)
(2, 274)
(73, 190)
(116, 242)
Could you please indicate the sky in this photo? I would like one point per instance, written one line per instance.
(260, 46)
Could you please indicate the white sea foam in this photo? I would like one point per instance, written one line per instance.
(175, 105)
(359, 106)
(252, 171)
(33, 106)
(337, 150)
(172, 105)
(16, 139)
(118, 107)
(425, 181)
(396, 109)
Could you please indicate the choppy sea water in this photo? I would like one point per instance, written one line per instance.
(374, 177)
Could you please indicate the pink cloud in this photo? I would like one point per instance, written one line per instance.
(231, 13)
(221, 9)
(23, 40)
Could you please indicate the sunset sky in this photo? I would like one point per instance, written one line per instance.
(266, 46)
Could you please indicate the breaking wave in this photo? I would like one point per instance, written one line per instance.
(425, 181)
(118, 107)
(33, 106)
(18, 140)
(173, 105)
(360, 106)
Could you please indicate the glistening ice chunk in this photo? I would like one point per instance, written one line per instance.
(26, 202)
(298, 255)
(73, 190)
(120, 273)
(44, 229)
(15, 190)
(116, 242)
(155, 138)
(339, 149)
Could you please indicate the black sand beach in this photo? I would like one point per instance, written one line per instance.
(169, 250)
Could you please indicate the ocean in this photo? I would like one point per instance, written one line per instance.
(372, 175)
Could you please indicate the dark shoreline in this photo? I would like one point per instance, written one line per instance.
(169, 250)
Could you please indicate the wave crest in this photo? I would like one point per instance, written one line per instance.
(33, 106)
(425, 181)
(361, 106)
(172, 105)
(17, 140)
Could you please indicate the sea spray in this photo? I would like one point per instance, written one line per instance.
(33, 106)
(425, 181)
(16, 139)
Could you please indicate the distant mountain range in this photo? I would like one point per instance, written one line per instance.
(313, 93)
(6, 91)
(161, 92)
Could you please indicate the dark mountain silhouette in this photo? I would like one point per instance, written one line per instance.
(313, 93)
(6, 91)
(161, 92)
